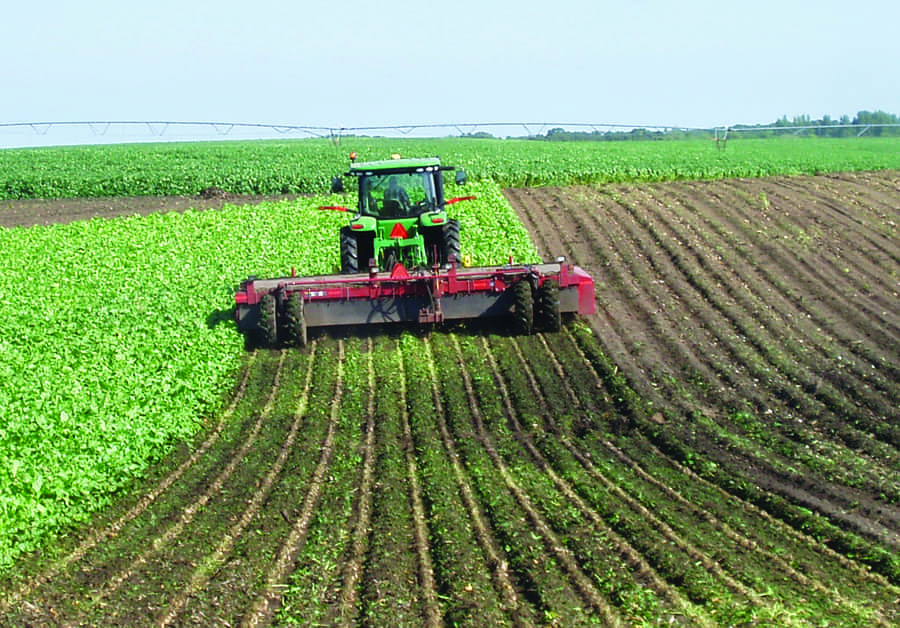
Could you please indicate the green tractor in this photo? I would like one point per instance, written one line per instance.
(400, 216)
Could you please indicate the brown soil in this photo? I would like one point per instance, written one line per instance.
(27, 213)
(775, 296)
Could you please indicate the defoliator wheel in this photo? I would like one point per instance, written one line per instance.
(268, 321)
(546, 307)
(295, 320)
(523, 307)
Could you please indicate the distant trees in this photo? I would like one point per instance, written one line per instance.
(561, 135)
(864, 118)
(865, 122)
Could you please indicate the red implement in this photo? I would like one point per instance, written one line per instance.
(533, 295)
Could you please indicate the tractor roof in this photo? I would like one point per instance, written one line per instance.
(394, 165)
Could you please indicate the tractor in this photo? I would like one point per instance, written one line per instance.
(400, 217)
(400, 263)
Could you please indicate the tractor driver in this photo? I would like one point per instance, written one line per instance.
(395, 192)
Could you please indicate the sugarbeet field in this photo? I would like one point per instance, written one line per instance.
(718, 445)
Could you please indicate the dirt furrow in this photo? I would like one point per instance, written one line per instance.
(624, 321)
(765, 366)
(707, 517)
(263, 607)
(786, 270)
(824, 284)
(772, 289)
(685, 359)
(348, 609)
(849, 388)
(778, 350)
(873, 192)
(639, 567)
(497, 562)
(426, 570)
(831, 209)
(552, 239)
(212, 562)
(579, 579)
(667, 342)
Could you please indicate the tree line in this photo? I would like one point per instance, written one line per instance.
(873, 123)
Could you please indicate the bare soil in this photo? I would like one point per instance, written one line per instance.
(718, 445)
(30, 212)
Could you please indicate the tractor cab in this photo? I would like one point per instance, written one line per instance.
(400, 217)
(398, 194)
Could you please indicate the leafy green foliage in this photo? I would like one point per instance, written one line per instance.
(306, 166)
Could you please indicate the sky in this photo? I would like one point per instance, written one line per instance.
(352, 63)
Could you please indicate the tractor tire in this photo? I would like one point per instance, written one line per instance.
(349, 251)
(268, 321)
(546, 307)
(295, 320)
(451, 246)
(523, 307)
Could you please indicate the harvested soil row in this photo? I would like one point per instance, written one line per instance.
(640, 570)
(31, 212)
(348, 609)
(426, 570)
(766, 357)
(700, 512)
(702, 367)
(463, 564)
(283, 562)
(792, 317)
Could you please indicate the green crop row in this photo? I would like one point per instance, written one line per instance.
(306, 166)
(117, 338)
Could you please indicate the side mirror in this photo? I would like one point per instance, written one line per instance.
(337, 185)
(461, 177)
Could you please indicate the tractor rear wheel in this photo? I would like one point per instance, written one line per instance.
(451, 246)
(268, 321)
(295, 320)
(546, 315)
(349, 251)
(523, 307)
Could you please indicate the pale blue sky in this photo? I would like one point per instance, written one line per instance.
(350, 63)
